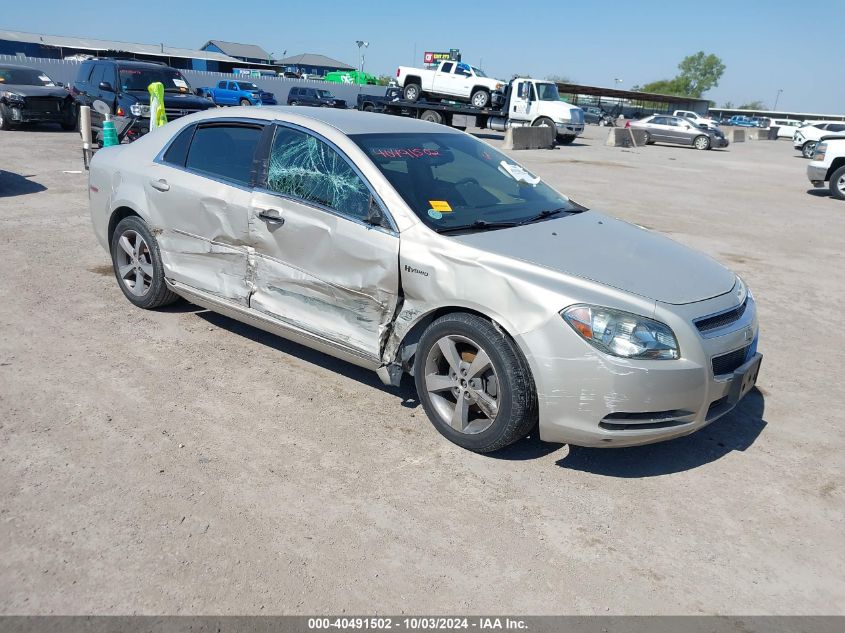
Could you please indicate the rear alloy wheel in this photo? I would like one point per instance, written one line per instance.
(137, 264)
(701, 142)
(837, 183)
(474, 384)
(808, 149)
(480, 98)
(412, 92)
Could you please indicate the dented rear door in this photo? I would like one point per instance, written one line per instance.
(318, 265)
(202, 207)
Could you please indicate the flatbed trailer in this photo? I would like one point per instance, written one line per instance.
(521, 104)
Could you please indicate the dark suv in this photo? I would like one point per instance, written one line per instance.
(314, 97)
(120, 87)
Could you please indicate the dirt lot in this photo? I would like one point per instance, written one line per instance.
(179, 462)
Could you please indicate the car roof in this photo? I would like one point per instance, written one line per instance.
(347, 121)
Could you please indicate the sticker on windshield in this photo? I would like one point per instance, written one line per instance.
(410, 152)
(440, 205)
(435, 215)
(518, 173)
(179, 83)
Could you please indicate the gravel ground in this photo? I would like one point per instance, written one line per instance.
(180, 462)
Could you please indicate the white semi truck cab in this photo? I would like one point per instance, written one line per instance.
(536, 102)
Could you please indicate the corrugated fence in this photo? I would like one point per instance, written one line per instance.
(65, 71)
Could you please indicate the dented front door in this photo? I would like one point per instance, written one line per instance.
(318, 265)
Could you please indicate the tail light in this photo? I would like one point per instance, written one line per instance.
(627, 124)
(397, 72)
(120, 111)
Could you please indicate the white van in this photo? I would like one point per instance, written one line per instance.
(786, 127)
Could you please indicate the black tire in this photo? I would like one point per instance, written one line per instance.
(293, 103)
(245, 102)
(647, 139)
(5, 117)
(516, 394)
(412, 92)
(157, 294)
(480, 98)
(837, 189)
(368, 108)
(544, 121)
(808, 149)
(565, 139)
(698, 144)
(432, 116)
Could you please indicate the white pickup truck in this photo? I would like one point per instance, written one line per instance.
(828, 165)
(450, 80)
(696, 119)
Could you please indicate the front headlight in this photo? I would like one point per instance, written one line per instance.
(622, 333)
(139, 109)
(821, 149)
(13, 96)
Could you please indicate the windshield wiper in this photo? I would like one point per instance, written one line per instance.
(478, 225)
(546, 213)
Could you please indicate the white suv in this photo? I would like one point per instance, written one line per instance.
(806, 137)
(828, 165)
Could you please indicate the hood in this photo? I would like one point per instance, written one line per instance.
(172, 100)
(35, 91)
(613, 253)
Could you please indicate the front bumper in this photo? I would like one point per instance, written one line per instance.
(569, 129)
(817, 174)
(588, 398)
(22, 114)
(721, 142)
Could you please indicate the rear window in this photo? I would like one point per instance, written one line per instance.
(178, 150)
(224, 151)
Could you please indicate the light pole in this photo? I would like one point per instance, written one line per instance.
(616, 80)
(361, 46)
(776, 99)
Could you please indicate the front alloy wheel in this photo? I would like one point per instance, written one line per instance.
(474, 383)
(808, 149)
(701, 142)
(462, 384)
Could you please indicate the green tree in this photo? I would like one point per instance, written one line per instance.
(383, 80)
(728, 104)
(753, 105)
(560, 79)
(699, 73)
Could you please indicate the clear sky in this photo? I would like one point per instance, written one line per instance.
(766, 45)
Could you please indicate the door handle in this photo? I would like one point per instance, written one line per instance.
(160, 184)
(271, 216)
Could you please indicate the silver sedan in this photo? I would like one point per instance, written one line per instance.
(679, 131)
(408, 247)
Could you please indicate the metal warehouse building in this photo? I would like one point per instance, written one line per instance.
(22, 44)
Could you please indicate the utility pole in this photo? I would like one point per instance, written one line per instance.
(777, 97)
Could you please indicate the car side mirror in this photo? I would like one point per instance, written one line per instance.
(375, 216)
(105, 85)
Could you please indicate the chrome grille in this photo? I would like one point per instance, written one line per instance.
(175, 113)
(722, 319)
(728, 363)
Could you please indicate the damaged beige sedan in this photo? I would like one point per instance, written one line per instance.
(408, 247)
